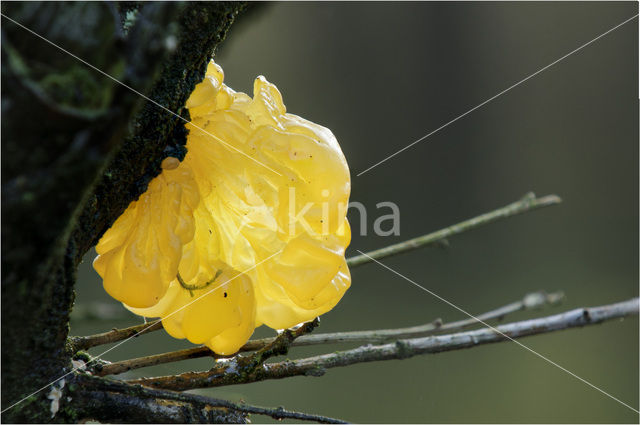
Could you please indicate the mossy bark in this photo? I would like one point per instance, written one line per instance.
(77, 148)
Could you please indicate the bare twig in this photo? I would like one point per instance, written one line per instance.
(528, 203)
(530, 301)
(402, 349)
(171, 406)
(114, 335)
(146, 361)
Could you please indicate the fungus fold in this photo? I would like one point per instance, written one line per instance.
(249, 229)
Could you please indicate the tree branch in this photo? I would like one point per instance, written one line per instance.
(116, 400)
(530, 301)
(528, 203)
(402, 349)
(110, 400)
(85, 342)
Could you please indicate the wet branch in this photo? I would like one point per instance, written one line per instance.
(401, 349)
(531, 301)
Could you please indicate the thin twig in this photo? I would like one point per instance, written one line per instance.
(114, 335)
(530, 301)
(402, 349)
(528, 203)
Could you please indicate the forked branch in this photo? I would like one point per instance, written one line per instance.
(401, 349)
(531, 301)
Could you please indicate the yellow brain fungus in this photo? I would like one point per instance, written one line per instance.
(249, 229)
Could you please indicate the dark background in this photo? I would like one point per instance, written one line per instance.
(382, 75)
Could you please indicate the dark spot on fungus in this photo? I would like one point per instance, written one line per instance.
(225, 295)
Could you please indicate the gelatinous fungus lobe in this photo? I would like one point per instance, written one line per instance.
(249, 229)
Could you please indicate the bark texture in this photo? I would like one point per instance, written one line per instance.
(77, 148)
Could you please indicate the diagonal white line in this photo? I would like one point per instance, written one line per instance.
(497, 95)
(139, 94)
(139, 333)
(499, 332)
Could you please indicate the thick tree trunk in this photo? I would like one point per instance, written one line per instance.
(77, 148)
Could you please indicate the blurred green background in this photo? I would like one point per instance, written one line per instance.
(380, 76)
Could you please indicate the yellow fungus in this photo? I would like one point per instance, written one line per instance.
(249, 229)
